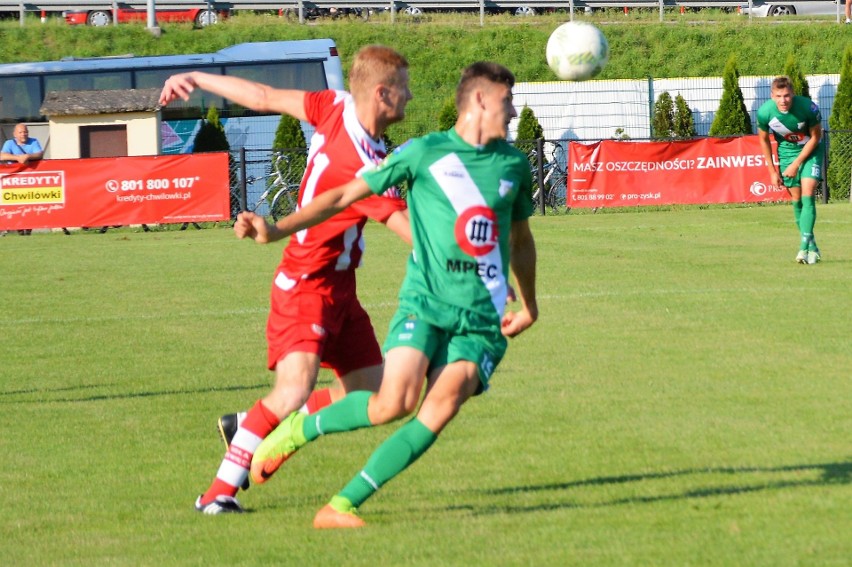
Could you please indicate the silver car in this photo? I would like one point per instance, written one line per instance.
(765, 8)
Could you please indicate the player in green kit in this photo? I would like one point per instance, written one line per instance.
(796, 123)
(469, 198)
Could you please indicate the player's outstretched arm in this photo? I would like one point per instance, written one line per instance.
(400, 224)
(323, 207)
(522, 258)
(250, 94)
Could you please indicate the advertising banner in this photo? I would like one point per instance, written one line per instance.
(98, 192)
(614, 173)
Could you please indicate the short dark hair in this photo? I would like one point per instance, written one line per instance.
(782, 83)
(482, 71)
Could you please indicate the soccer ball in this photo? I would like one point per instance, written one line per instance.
(577, 51)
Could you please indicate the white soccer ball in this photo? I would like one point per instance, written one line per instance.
(577, 51)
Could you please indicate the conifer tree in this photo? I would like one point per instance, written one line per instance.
(448, 115)
(289, 134)
(797, 78)
(290, 143)
(732, 118)
(663, 125)
(211, 136)
(840, 128)
(290, 139)
(684, 123)
(529, 130)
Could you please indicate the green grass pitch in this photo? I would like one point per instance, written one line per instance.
(683, 400)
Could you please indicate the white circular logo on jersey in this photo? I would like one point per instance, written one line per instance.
(476, 231)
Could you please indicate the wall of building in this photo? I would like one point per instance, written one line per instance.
(143, 133)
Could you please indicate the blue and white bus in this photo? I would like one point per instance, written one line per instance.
(307, 65)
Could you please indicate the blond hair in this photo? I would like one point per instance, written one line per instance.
(374, 65)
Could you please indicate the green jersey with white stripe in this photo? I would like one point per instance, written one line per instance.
(462, 200)
(791, 129)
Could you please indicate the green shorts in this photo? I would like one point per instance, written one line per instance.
(445, 334)
(811, 169)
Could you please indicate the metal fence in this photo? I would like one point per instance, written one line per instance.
(596, 109)
(306, 8)
(838, 168)
(548, 163)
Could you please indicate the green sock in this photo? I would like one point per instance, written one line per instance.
(797, 212)
(342, 505)
(392, 457)
(347, 414)
(807, 219)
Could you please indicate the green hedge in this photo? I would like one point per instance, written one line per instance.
(439, 47)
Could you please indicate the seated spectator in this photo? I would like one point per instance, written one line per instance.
(21, 149)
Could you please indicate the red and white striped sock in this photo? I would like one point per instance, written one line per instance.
(258, 423)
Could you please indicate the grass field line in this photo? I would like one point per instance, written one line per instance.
(196, 314)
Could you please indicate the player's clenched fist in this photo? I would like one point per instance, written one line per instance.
(252, 226)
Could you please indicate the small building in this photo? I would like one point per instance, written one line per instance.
(114, 123)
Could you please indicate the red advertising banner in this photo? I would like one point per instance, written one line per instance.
(615, 173)
(114, 191)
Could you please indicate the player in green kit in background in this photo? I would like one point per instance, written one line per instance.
(469, 198)
(796, 123)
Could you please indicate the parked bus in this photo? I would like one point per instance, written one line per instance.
(307, 64)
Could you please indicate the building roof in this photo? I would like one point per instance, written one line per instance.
(81, 103)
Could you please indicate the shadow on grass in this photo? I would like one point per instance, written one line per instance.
(830, 474)
(42, 395)
(42, 390)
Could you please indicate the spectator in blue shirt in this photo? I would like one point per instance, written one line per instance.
(21, 148)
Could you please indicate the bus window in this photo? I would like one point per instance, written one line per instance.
(302, 75)
(20, 100)
(199, 101)
(87, 82)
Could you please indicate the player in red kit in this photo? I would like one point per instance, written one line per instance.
(315, 317)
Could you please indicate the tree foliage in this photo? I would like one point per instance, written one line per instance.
(289, 134)
(672, 119)
(529, 130)
(448, 115)
(289, 141)
(839, 176)
(841, 114)
(662, 126)
(211, 136)
(684, 122)
(732, 118)
(797, 78)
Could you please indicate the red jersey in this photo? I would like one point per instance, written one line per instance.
(340, 148)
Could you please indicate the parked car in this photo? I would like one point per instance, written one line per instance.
(199, 16)
(764, 9)
(490, 8)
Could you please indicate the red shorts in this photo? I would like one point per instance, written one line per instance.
(321, 315)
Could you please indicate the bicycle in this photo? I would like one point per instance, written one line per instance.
(278, 183)
(555, 177)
